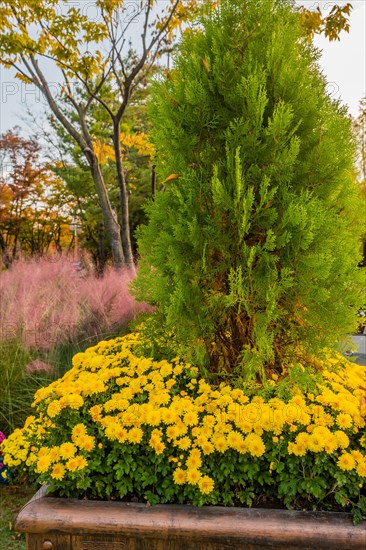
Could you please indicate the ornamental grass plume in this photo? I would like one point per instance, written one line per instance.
(38, 366)
(45, 303)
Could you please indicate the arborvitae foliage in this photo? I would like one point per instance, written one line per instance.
(251, 253)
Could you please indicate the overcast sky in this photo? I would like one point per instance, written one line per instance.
(343, 63)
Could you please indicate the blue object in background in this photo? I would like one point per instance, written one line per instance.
(4, 469)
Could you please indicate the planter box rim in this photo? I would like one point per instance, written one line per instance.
(331, 530)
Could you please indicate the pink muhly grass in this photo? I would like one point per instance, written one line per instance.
(109, 297)
(47, 302)
(38, 366)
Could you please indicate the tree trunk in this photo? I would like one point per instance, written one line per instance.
(85, 143)
(15, 246)
(57, 239)
(109, 215)
(4, 250)
(123, 196)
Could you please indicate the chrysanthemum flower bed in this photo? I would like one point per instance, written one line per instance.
(120, 425)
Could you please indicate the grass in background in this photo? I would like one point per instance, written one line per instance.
(17, 384)
(12, 499)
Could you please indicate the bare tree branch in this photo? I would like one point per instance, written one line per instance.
(54, 107)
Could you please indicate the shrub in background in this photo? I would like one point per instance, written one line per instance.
(252, 249)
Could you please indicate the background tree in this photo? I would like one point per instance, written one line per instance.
(331, 25)
(34, 203)
(251, 252)
(136, 152)
(88, 51)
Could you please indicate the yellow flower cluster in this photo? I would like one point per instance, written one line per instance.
(56, 460)
(128, 398)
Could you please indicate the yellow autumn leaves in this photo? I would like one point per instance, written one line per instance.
(139, 141)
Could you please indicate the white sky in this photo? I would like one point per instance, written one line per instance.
(343, 63)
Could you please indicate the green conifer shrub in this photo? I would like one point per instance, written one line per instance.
(251, 250)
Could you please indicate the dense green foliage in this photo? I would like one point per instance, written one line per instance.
(251, 253)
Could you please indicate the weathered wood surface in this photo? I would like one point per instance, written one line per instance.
(49, 542)
(97, 525)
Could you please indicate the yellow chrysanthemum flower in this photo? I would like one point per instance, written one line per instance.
(361, 468)
(206, 485)
(67, 450)
(135, 435)
(344, 421)
(235, 440)
(53, 409)
(191, 418)
(255, 445)
(193, 476)
(112, 430)
(315, 443)
(207, 448)
(297, 449)
(342, 439)
(58, 471)
(54, 454)
(73, 400)
(179, 476)
(72, 464)
(220, 443)
(358, 456)
(183, 443)
(194, 459)
(78, 430)
(43, 464)
(159, 447)
(95, 412)
(85, 442)
(81, 462)
(346, 462)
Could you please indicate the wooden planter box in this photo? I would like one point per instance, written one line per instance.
(70, 524)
